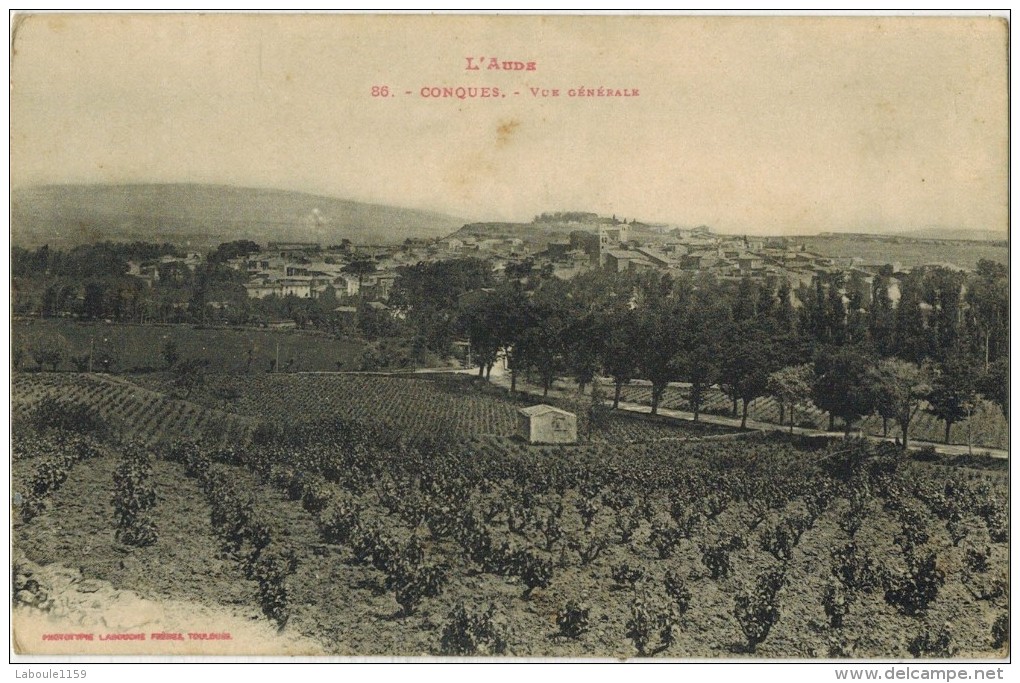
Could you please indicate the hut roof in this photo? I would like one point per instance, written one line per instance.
(542, 409)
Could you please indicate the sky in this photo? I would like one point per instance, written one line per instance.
(757, 125)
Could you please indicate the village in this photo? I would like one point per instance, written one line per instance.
(560, 245)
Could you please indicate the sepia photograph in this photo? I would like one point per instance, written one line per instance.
(572, 338)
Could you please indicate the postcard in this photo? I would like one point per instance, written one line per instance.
(678, 337)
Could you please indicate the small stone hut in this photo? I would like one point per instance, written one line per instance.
(546, 424)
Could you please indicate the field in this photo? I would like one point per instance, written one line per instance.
(372, 542)
(227, 349)
(130, 411)
(988, 427)
(906, 251)
(412, 404)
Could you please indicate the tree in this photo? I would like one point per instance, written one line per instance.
(785, 315)
(175, 275)
(515, 314)
(231, 250)
(433, 297)
(995, 385)
(881, 316)
(597, 411)
(698, 359)
(438, 284)
(171, 356)
(50, 350)
(375, 324)
(746, 365)
(619, 359)
(791, 386)
(910, 336)
(544, 338)
(519, 270)
(104, 360)
(843, 385)
(479, 319)
(189, 374)
(744, 300)
(656, 344)
(812, 321)
(18, 353)
(582, 346)
(988, 308)
(856, 309)
(765, 308)
(93, 305)
(699, 366)
(539, 347)
(50, 301)
(900, 388)
(953, 391)
(47, 356)
(835, 315)
(942, 291)
(360, 266)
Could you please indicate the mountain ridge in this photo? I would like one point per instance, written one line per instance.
(204, 215)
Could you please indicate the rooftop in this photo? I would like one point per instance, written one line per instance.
(542, 409)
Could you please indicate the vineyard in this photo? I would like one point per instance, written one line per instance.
(375, 544)
(131, 411)
(448, 404)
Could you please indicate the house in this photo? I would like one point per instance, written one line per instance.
(346, 286)
(149, 273)
(699, 260)
(546, 424)
(299, 286)
(261, 289)
(291, 249)
(749, 262)
(619, 260)
(384, 285)
(490, 244)
(303, 287)
(754, 243)
(659, 259)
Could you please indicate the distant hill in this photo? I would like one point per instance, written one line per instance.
(928, 234)
(936, 233)
(206, 215)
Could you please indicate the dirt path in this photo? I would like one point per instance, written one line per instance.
(181, 584)
(77, 616)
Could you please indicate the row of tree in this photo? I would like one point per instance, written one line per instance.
(850, 351)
